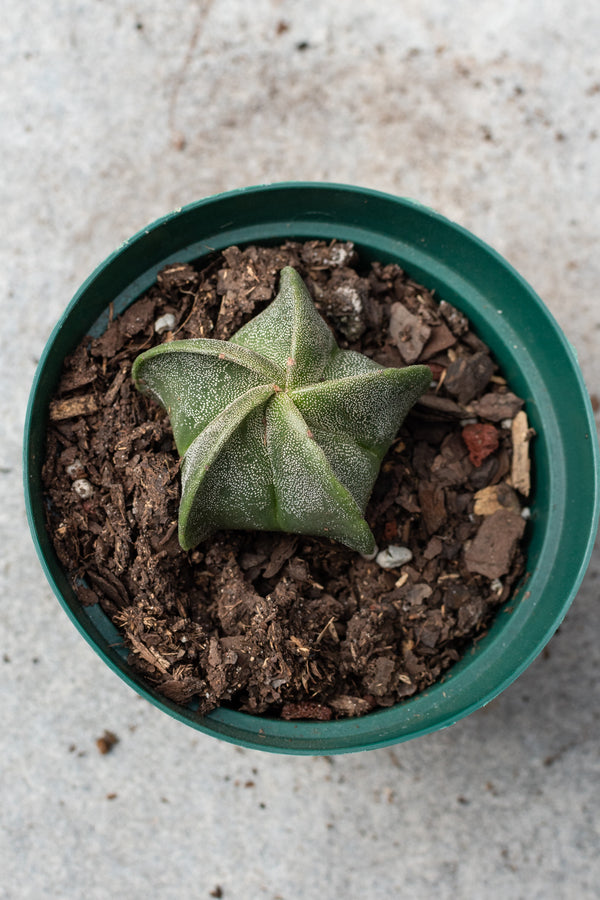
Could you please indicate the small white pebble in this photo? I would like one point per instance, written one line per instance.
(76, 469)
(393, 556)
(370, 556)
(165, 323)
(465, 422)
(496, 586)
(83, 488)
(506, 423)
(525, 513)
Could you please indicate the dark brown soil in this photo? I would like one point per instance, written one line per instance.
(273, 623)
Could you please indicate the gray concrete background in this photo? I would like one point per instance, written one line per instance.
(116, 112)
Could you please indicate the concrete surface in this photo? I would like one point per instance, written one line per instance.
(116, 112)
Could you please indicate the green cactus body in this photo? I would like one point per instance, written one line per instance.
(278, 428)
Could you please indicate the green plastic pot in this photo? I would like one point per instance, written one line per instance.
(507, 315)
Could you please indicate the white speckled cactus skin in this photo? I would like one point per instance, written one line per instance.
(278, 428)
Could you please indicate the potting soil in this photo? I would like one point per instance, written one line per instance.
(277, 624)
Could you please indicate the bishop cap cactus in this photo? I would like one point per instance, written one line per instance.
(278, 428)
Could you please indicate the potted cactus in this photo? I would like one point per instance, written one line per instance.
(278, 406)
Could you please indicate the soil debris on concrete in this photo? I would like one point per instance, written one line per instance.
(106, 742)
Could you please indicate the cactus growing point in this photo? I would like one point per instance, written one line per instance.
(278, 428)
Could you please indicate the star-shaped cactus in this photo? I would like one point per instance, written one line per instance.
(278, 428)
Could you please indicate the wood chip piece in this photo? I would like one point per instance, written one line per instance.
(115, 387)
(467, 376)
(497, 406)
(520, 476)
(433, 548)
(151, 655)
(451, 466)
(442, 407)
(283, 549)
(106, 743)
(350, 706)
(440, 339)
(72, 407)
(432, 500)
(455, 319)
(108, 584)
(494, 497)
(492, 550)
(408, 332)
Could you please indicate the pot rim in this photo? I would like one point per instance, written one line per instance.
(560, 530)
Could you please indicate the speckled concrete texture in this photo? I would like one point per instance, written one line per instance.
(115, 112)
